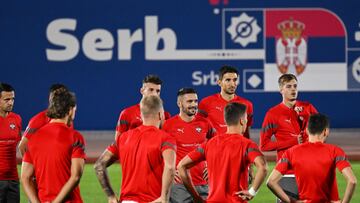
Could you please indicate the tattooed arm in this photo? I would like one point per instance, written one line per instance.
(104, 161)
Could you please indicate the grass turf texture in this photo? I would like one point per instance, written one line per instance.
(91, 191)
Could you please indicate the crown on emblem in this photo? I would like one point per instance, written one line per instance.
(291, 28)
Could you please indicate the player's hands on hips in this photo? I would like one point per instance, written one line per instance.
(244, 195)
(112, 199)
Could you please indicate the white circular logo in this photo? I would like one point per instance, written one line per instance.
(356, 70)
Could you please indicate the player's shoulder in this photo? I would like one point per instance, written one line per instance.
(243, 100)
(14, 116)
(303, 103)
(274, 110)
(131, 109)
(209, 98)
(41, 116)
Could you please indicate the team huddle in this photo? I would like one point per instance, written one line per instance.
(202, 154)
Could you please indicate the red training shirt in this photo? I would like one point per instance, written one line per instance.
(130, 118)
(36, 122)
(228, 157)
(189, 135)
(50, 151)
(285, 124)
(10, 134)
(314, 166)
(140, 151)
(213, 106)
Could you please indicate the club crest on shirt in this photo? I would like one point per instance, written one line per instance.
(298, 109)
(12, 126)
(198, 129)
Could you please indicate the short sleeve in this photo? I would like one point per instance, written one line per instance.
(198, 154)
(113, 149)
(283, 165)
(123, 122)
(27, 157)
(340, 158)
(252, 152)
(78, 146)
(168, 142)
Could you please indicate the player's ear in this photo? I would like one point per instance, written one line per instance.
(178, 102)
(326, 132)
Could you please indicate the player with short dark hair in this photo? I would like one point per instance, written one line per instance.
(314, 166)
(189, 131)
(10, 134)
(287, 122)
(39, 120)
(130, 118)
(55, 155)
(228, 157)
(212, 107)
(147, 156)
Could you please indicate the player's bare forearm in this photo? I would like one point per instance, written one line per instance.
(351, 184)
(23, 145)
(273, 185)
(77, 167)
(261, 172)
(169, 156)
(104, 161)
(183, 167)
(27, 172)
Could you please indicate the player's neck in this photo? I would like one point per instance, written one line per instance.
(235, 129)
(4, 113)
(186, 117)
(226, 96)
(151, 122)
(316, 138)
(289, 103)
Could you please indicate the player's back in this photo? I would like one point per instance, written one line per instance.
(51, 151)
(314, 165)
(227, 166)
(140, 151)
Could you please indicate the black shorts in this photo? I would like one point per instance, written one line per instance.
(180, 194)
(9, 191)
(289, 185)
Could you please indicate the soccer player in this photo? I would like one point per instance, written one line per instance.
(147, 156)
(55, 155)
(130, 117)
(287, 122)
(228, 156)
(212, 106)
(10, 134)
(37, 121)
(314, 164)
(189, 131)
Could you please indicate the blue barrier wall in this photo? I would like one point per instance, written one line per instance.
(103, 49)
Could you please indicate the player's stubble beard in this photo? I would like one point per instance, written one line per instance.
(188, 111)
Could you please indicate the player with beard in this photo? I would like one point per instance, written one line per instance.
(213, 106)
(10, 134)
(287, 122)
(190, 131)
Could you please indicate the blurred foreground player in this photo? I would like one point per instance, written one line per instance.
(56, 155)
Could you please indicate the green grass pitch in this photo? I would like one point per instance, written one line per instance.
(91, 191)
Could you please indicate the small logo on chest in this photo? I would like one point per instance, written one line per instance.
(12, 126)
(181, 130)
(198, 129)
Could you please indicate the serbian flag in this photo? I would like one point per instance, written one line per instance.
(309, 43)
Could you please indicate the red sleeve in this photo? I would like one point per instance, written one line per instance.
(252, 152)
(269, 128)
(198, 155)
(313, 110)
(283, 165)
(123, 122)
(203, 109)
(211, 130)
(36, 122)
(78, 146)
(113, 149)
(27, 157)
(340, 158)
(168, 142)
(250, 114)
